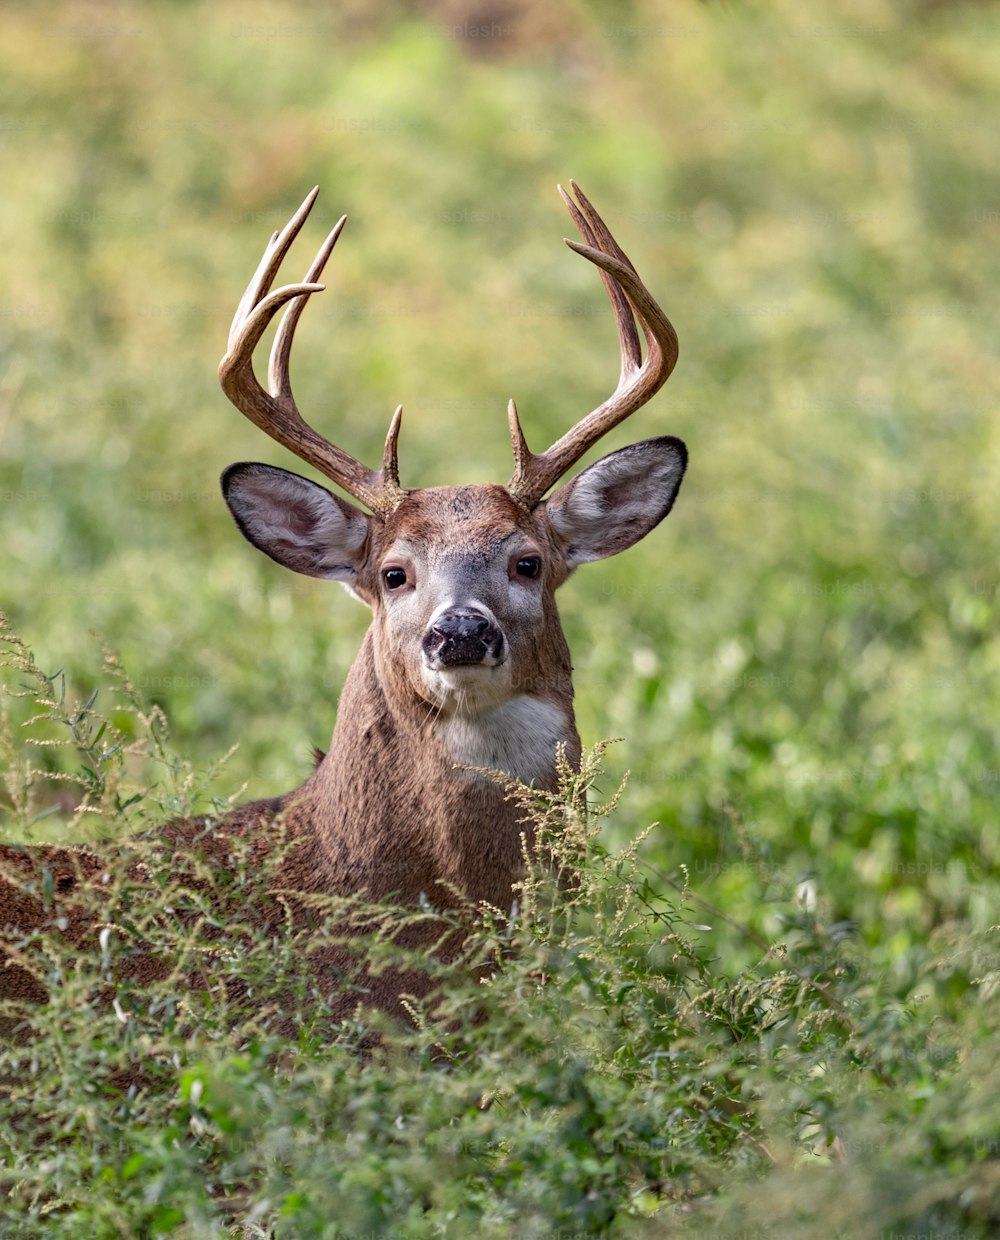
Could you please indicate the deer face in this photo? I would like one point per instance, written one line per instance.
(461, 580)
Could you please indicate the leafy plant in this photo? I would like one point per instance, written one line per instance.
(588, 1069)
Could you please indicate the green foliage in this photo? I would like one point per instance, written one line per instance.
(603, 1077)
(803, 659)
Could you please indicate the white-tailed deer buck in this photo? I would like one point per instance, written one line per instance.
(465, 664)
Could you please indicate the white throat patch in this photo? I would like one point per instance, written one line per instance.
(518, 738)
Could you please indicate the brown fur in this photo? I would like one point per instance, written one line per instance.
(385, 811)
(390, 812)
(393, 809)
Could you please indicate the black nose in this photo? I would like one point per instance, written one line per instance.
(460, 625)
(462, 636)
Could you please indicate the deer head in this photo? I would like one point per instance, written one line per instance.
(460, 580)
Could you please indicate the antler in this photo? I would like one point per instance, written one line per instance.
(638, 382)
(275, 411)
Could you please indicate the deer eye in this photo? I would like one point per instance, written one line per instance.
(528, 566)
(394, 578)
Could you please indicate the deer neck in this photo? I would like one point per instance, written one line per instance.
(395, 798)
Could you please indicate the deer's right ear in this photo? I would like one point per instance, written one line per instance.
(295, 522)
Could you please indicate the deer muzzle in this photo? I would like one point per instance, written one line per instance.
(463, 637)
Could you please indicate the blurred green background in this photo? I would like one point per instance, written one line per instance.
(802, 661)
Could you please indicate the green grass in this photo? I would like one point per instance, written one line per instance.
(802, 661)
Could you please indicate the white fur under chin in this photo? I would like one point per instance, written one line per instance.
(468, 691)
(519, 737)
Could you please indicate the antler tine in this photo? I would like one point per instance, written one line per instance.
(590, 225)
(267, 268)
(281, 351)
(275, 411)
(638, 380)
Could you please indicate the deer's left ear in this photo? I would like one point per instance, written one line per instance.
(618, 500)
